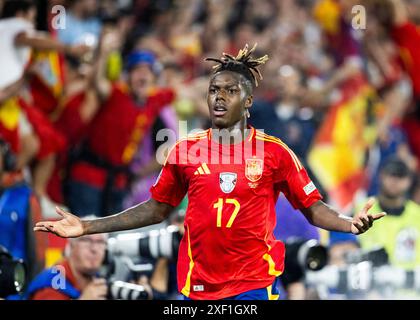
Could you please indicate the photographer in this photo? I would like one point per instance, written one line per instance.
(76, 276)
(19, 208)
(399, 230)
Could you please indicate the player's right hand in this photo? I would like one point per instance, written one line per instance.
(69, 226)
(95, 290)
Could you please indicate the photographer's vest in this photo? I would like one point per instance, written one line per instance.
(399, 235)
(14, 206)
(49, 278)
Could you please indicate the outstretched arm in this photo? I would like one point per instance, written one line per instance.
(323, 216)
(109, 42)
(141, 215)
(42, 41)
(400, 14)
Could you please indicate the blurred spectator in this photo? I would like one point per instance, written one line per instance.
(82, 23)
(285, 117)
(30, 133)
(394, 145)
(394, 18)
(145, 165)
(17, 29)
(399, 232)
(19, 209)
(156, 281)
(339, 246)
(101, 171)
(76, 277)
(392, 139)
(79, 105)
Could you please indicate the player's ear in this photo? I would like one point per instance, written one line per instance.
(249, 100)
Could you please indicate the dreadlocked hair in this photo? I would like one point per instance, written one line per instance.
(243, 63)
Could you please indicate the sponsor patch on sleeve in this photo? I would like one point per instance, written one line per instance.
(310, 187)
(198, 288)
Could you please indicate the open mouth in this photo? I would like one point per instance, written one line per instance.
(219, 110)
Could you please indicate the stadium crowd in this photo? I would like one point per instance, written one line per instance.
(86, 87)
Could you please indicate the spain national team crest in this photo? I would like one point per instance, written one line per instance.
(254, 169)
(227, 181)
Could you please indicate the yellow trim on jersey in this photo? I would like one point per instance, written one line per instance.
(270, 295)
(197, 135)
(272, 266)
(282, 144)
(187, 288)
(251, 135)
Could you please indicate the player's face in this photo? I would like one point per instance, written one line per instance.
(227, 99)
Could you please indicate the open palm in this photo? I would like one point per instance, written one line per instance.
(69, 226)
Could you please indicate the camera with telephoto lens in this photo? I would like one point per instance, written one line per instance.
(125, 248)
(129, 253)
(12, 274)
(365, 271)
(157, 243)
(302, 256)
(121, 290)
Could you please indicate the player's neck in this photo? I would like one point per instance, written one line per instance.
(231, 135)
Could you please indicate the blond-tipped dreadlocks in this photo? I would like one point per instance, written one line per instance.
(243, 63)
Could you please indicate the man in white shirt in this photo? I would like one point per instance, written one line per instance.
(19, 37)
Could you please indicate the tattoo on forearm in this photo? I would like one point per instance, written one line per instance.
(141, 215)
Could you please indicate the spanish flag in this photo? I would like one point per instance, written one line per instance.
(338, 154)
(48, 83)
(10, 111)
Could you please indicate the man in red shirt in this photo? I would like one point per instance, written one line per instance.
(232, 181)
(394, 16)
(407, 37)
(99, 174)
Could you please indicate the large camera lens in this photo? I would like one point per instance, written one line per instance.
(12, 274)
(120, 290)
(302, 256)
(153, 244)
(312, 255)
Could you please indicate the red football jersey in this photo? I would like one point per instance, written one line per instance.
(228, 246)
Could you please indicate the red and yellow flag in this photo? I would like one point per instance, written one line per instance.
(338, 154)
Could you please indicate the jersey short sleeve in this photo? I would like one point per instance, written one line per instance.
(170, 186)
(292, 179)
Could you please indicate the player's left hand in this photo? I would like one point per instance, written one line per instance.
(363, 221)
